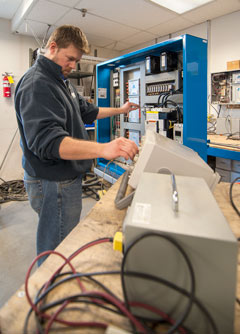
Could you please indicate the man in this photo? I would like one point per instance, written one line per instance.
(56, 149)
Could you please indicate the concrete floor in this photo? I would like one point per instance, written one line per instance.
(18, 225)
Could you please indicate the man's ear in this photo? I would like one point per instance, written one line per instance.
(52, 48)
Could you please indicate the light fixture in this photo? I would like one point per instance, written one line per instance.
(181, 6)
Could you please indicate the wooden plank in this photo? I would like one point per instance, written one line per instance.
(103, 221)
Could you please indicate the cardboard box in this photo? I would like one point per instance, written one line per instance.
(233, 65)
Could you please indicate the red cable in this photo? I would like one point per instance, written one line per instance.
(76, 324)
(67, 261)
(34, 307)
(157, 311)
(54, 316)
(113, 300)
(70, 258)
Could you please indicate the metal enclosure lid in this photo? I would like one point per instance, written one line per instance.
(158, 151)
(198, 214)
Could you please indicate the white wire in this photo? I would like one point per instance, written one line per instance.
(36, 38)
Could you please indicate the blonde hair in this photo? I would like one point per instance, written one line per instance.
(65, 35)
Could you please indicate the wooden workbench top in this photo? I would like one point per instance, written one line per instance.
(221, 141)
(102, 221)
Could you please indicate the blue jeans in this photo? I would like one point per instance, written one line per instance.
(58, 205)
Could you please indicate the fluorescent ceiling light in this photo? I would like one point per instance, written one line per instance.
(181, 6)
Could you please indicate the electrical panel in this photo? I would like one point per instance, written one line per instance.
(159, 95)
(225, 87)
(168, 81)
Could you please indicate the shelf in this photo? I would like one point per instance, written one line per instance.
(80, 75)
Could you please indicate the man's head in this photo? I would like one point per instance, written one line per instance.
(66, 46)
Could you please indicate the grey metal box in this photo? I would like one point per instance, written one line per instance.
(202, 231)
(225, 174)
(236, 166)
(223, 163)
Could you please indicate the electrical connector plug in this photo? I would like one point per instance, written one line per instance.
(118, 242)
(101, 193)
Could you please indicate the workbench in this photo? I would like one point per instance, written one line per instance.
(222, 147)
(104, 220)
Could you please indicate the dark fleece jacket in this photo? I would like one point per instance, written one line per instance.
(47, 111)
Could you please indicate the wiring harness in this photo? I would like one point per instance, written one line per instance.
(12, 191)
(48, 312)
(164, 101)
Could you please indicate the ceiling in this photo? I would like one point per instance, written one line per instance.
(114, 24)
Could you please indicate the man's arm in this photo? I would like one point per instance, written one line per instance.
(124, 109)
(75, 149)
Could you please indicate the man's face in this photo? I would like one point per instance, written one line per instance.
(66, 58)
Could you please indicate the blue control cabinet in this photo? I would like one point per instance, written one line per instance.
(194, 58)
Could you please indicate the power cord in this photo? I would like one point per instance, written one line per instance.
(91, 185)
(105, 298)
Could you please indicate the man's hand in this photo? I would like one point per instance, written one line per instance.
(77, 149)
(128, 106)
(124, 109)
(120, 147)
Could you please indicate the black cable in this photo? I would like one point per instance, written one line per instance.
(189, 265)
(127, 273)
(85, 246)
(91, 185)
(231, 196)
(170, 102)
(159, 97)
(165, 98)
(51, 287)
(12, 191)
(179, 90)
(89, 192)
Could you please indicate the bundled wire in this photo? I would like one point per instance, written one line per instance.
(235, 181)
(96, 297)
(91, 184)
(104, 298)
(164, 101)
(12, 191)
